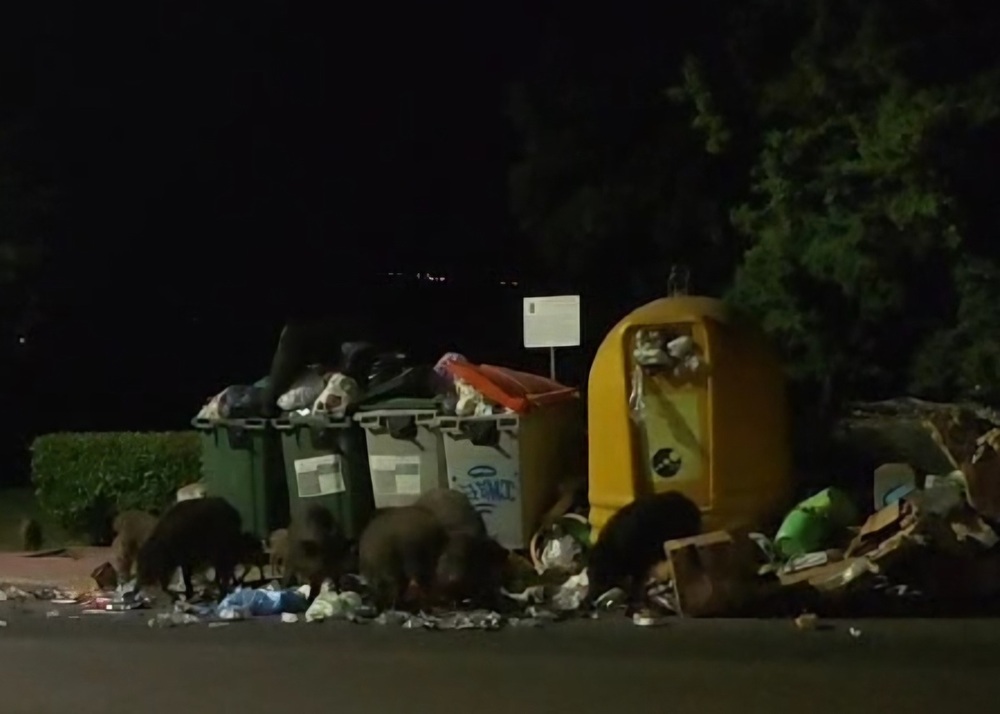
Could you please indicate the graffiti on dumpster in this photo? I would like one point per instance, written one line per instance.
(487, 491)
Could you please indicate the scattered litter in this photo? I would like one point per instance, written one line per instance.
(648, 619)
(807, 623)
(256, 602)
(571, 593)
(289, 617)
(173, 619)
(334, 605)
(560, 554)
(855, 632)
(532, 595)
(64, 601)
(52, 613)
(469, 620)
(214, 625)
(3, 623)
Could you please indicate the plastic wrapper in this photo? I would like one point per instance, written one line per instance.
(658, 351)
(560, 554)
(173, 619)
(571, 593)
(856, 570)
(470, 401)
(610, 600)
(806, 561)
(765, 545)
(303, 393)
(465, 620)
(684, 356)
(637, 394)
(532, 595)
(331, 605)
(12, 592)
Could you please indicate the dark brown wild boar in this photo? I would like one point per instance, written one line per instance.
(132, 528)
(453, 511)
(316, 550)
(193, 535)
(470, 568)
(30, 531)
(251, 555)
(400, 546)
(631, 542)
(277, 550)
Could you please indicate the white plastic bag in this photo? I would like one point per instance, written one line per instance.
(302, 393)
(470, 401)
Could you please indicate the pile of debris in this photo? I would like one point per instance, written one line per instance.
(929, 547)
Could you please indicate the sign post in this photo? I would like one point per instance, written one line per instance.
(552, 322)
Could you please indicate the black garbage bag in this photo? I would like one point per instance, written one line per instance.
(357, 361)
(241, 402)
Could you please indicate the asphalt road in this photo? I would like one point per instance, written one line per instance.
(107, 664)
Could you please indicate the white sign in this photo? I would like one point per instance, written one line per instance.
(552, 321)
(320, 476)
(395, 475)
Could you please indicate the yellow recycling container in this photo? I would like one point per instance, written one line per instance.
(685, 397)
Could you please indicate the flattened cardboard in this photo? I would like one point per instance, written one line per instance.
(714, 574)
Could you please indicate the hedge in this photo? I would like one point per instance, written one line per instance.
(83, 479)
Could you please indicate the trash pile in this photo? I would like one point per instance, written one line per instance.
(366, 375)
(929, 545)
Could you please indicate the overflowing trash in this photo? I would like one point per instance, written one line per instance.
(461, 387)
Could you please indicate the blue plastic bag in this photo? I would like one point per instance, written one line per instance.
(250, 602)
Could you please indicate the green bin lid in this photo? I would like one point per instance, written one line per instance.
(403, 404)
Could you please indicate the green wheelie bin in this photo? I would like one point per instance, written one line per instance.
(241, 462)
(326, 462)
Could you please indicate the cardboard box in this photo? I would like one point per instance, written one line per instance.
(714, 573)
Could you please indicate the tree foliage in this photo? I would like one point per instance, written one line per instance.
(842, 181)
(858, 258)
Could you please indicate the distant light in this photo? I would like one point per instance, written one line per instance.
(22, 340)
(514, 283)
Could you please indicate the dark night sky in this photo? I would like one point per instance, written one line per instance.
(222, 166)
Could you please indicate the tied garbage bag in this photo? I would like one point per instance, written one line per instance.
(811, 524)
(251, 602)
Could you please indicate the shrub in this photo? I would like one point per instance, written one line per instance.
(83, 479)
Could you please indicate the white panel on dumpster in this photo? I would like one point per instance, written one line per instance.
(320, 476)
(395, 475)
